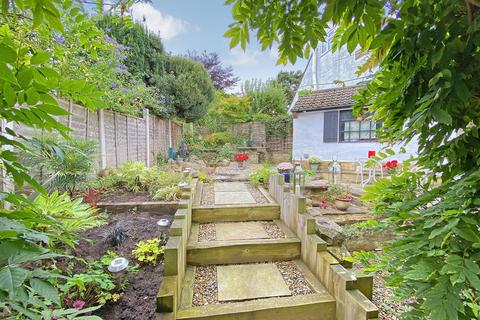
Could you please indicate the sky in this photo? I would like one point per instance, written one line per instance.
(199, 25)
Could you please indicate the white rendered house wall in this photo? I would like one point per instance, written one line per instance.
(308, 139)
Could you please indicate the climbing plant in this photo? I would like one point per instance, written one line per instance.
(426, 90)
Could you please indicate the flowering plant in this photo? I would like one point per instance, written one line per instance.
(240, 156)
(284, 166)
(390, 166)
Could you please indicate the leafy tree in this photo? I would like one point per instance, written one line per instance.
(222, 77)
(427, 89)
(145, 56)
(187, 88)
(290, 80)
(266, 98)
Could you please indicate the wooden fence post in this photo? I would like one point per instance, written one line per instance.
(146, 117)
(101, 138)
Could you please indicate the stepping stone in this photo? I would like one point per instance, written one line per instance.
(230, 187)
(234, 198)
(240, 231)
(250, 281)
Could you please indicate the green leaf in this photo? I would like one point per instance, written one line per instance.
(7, 54)
(9, 94)
(40, 57)
(11, 278)
(441, 116)
(45, 289)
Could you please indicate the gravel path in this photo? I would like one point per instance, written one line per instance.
(273, 230)
(294, 278)
(207, 232)
(257, 194)
(383, 299)
(205, 288)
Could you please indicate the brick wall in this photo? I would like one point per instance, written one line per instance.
(258, 132)
(125, 136)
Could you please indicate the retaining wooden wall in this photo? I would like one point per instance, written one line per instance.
(175, 255)
(352, 293)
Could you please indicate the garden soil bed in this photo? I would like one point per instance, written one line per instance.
(139, 298)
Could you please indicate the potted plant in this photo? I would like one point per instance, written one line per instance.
(342, 197)
(285, 168)
(241, 158)
(314, 162)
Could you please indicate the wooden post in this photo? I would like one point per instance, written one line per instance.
(101, 138)
(169, 133)
(146, 117)
(115, 135)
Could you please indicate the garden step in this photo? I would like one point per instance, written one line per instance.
(243, 251)
(255, 291)
(229, 213)
(308, 307)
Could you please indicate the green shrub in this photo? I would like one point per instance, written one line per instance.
(136, 177)
(171, 193)
(261, 175)
(64, 165)
(204, 178)
(218, 138)
(148, 251)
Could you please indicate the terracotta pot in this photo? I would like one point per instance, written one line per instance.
(342, 204)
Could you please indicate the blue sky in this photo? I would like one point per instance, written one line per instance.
(199, 25)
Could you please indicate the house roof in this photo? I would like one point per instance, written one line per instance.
(327, 99)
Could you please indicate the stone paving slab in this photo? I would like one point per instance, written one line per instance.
(230, 187)
(240, 231)
(234, 198)
(250, 281)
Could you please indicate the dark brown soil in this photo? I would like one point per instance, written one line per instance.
(139, 298)
(123, 196)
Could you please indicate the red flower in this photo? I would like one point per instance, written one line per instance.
(391, 165)
(240, 156)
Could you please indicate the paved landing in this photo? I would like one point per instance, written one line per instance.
(234, 198)
(250, 281)
(230, 187)
(240, 231)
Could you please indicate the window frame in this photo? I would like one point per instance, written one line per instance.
(374, 126)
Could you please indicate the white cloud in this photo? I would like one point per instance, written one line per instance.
(239, 57)
(166, 25)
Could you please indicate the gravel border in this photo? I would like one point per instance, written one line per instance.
(273, 230)
(205, 289)
(205, 286)
(207, 232)
(294, 278)
(208, 195)
(257, 194)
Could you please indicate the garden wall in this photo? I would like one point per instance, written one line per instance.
(278, 149)
(119, 137)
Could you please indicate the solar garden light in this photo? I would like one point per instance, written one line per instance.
(118, 267)
(298, 179)
(186, 172)
(183, 184)
(163, 223)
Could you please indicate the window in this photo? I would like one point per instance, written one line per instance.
(352, 130)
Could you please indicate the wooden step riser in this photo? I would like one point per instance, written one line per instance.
(310, 311)
(244, 253)
(236, 214)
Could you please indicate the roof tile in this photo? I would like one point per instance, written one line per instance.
(327, 99)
